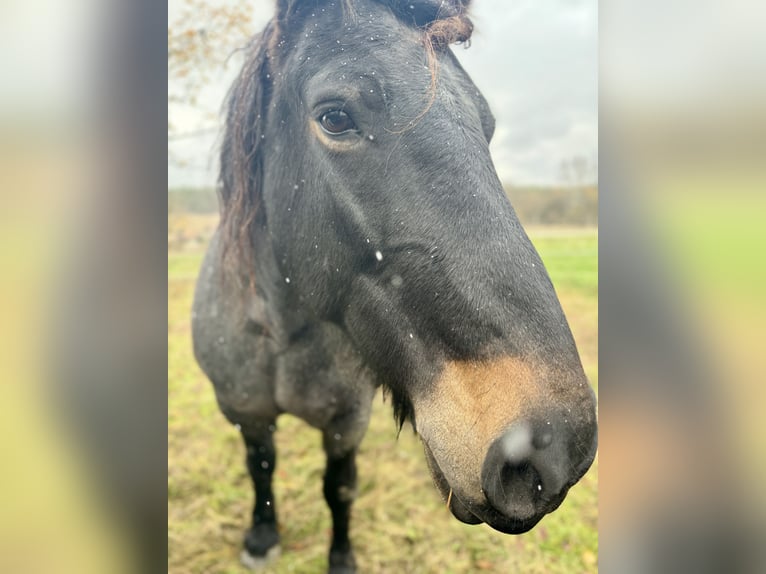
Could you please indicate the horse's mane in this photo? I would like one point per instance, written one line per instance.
(241, 166)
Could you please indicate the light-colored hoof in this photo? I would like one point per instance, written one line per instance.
(259, 562)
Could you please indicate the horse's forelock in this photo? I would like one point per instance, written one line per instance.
(443, 21)
(423, 13)
(455, 29)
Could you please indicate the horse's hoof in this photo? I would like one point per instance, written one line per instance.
(259, 562)
(261, 546)
(342, 563)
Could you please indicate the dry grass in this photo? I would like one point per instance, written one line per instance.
(190, 231)
(399, 522)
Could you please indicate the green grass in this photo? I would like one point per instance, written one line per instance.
(399, 522)
(183, 266)
(572, 262)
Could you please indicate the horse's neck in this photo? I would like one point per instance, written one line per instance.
(268, 303)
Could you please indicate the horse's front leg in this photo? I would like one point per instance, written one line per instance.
(262, 540)
(339, 492)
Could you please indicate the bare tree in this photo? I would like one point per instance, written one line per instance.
(201, 39)
(579, 168)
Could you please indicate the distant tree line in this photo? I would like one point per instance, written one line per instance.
(566, 205)
(192, 200)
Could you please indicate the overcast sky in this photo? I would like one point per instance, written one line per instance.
(536, 61)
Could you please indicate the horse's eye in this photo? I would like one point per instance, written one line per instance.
(337, 122)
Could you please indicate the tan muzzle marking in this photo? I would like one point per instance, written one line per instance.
(470, 405)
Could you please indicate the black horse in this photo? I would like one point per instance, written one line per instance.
(366, 241)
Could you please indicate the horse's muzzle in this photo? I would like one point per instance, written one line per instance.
(526, 474)
(529, 469)
(506, 440)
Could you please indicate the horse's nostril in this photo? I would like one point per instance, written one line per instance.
(514, 489)
(524, 470)
(542, 440)
(522, 480)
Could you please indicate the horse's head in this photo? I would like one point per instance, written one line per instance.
(357, 161)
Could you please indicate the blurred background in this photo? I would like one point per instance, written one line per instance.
(683, 119)
(84, 402)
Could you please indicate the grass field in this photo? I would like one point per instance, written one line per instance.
(400, 525)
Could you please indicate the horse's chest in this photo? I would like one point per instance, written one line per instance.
(320, 376)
